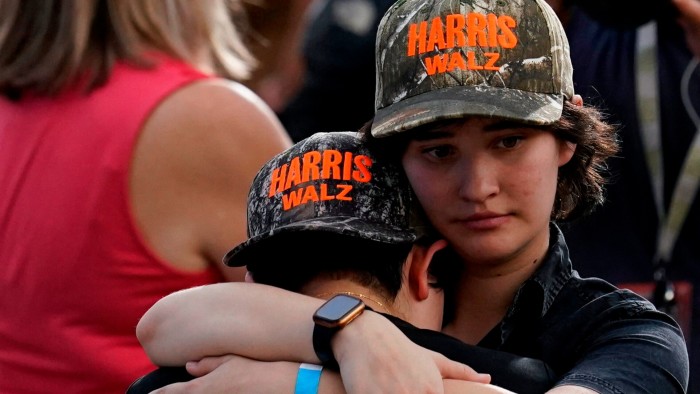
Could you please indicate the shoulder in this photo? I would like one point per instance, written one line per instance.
(217, 123)
(598, 324)
(193, 165)
(600, 295)
(216, 105)
(592, 303)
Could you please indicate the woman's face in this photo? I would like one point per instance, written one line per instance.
(488, 186)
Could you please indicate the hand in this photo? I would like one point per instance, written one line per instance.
(375, 357)
(460, 386)
(689, 19)
(234, 374)
(209, 364)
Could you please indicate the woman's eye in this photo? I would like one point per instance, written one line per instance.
(438, 152)
(510, 142)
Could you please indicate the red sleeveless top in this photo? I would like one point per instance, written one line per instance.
(75, 273)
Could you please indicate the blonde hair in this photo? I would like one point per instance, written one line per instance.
(46, 45)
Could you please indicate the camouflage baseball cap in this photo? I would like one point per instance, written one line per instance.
(446, 59)
(328, 182)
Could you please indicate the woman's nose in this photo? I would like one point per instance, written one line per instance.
(477, 180)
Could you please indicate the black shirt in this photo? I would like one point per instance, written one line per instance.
(591, 333)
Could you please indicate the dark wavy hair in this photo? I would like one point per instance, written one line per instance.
(581, 182)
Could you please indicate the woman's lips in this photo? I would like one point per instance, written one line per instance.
(484, 221)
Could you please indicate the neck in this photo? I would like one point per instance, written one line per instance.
(483, 302)
(327, 288)
(486, 291)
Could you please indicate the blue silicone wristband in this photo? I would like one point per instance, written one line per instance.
(308, 377)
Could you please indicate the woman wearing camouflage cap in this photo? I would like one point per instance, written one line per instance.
(478, 103)
(476, 99)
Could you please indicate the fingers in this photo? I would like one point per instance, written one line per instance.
(196, 386)
(454, 370)
(689, 19)
(689, 10)
(206, 365)
(175, 388)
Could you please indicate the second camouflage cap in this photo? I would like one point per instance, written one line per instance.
(328, 182)
(445, 59)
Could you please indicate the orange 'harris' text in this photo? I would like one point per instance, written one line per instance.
(315, 165)
(456, 30)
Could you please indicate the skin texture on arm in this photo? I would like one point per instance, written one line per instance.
(461, 386)
(235, 318)
(571, 390)
(224, 375)
(192, 169)
(230, 373)
(230, 318)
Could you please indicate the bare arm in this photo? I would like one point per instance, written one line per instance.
(237, 318)
(192, 169)
(571, 390)
(268, 323)
(461, 386)
(228, 374)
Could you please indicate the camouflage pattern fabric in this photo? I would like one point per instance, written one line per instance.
(445, 59)
(327, 182)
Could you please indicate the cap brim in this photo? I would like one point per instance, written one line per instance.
(247, 252)
(459, 101)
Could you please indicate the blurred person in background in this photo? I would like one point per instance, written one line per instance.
(498, 148)
(273, 32)
(126, 155)
(324, 78)
(639, 61)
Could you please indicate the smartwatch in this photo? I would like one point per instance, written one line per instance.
(333, 315)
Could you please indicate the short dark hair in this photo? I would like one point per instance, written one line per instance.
(294, 259)
(580, 186)
(376, 265)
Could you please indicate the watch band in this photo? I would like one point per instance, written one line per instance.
(322, 346)
(332, 316)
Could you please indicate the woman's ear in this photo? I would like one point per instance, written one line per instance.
(566, 151)
(419, 260)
